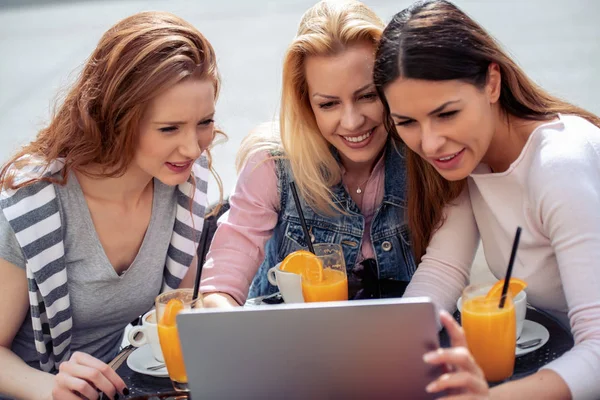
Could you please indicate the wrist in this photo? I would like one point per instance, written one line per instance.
(219, 299)
(44, 385)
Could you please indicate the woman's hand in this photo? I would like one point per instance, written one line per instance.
(465, 380)
(86, 376)
(219, 300)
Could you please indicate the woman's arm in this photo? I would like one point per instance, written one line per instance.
(17, 379)
(544, 384)
(81, 374)
(215, 300)
(237, 249)
(445, 267)
(565, 190)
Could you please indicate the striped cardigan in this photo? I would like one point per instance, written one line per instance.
(33, 213)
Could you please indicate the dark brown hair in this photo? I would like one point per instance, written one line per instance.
(435, 40)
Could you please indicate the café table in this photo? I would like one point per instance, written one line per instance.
(152, 388)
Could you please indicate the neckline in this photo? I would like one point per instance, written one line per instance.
(376, 168)
(89, 223)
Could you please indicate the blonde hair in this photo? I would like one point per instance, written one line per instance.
(264, 138)
(98, 121)
(326, 29)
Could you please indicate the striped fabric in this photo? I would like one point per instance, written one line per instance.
(33, 213)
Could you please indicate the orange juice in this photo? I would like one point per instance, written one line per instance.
(171, 348)
(491, 334)
(323, 273)
(168, 306)
(332, 287)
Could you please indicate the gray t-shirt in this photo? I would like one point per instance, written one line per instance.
(102, 302)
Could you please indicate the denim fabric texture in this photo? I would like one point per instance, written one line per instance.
(389, 231)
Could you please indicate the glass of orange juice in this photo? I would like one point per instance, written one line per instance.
(322, 276)
(168, 305)
(331, 283)
(490, 331)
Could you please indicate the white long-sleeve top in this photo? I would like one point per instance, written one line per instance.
(552, 190)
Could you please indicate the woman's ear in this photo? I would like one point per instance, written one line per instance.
(494, 83)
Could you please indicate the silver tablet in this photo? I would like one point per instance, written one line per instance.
(350, 349)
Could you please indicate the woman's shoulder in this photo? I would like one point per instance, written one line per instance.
(571, 142)
(261, 167)
(565, 155)
(264, 139)
(28, 175)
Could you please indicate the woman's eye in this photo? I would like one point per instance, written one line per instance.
(405, 123)
(448, 114)
(168, 129)
(327, 105)
(206, 122)
(369, 96)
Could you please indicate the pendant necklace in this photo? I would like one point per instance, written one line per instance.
(358, 189)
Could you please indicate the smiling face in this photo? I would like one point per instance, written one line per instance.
(450, 123)
(348, 112)
(176, 128)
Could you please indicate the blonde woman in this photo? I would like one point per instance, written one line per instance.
(488, 150)
(102, 210)
(332, 142)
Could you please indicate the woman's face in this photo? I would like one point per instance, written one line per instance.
(348, 111)
(449, 123)
(176, 128)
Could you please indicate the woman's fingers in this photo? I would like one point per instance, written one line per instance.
(60, 393)
(465, 376)
(84, 375)
(72, 385)
(92, 362)
(458, 357)
(462, 381)
(90, 375)
(468, 396)
(455, 331)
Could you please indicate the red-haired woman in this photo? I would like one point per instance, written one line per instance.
(103, 210)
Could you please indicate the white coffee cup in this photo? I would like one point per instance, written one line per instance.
(290, 285)
(147, 333)
(520, 302)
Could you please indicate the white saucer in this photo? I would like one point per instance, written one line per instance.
(532, 330)
(141, 359)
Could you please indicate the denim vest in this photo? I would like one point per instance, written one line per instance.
(389, 232)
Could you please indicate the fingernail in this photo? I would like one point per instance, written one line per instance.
(429, 357)
(126, 392)
(431, 387)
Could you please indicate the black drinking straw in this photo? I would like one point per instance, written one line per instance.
(510, 267)
(203, 248)
(301, 214)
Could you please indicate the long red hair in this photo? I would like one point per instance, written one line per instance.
(98, 121)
